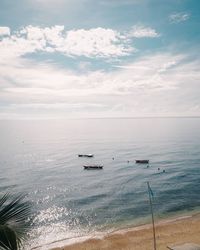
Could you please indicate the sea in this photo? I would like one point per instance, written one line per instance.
(39, 158)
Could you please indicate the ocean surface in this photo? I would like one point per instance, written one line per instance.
(40, 158)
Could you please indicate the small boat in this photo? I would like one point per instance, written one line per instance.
(88, 167)
(142, 161)
(85, 155)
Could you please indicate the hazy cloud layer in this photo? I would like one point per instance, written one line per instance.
(140, 31)
(179, 17)
(124, 2)
(153, 84)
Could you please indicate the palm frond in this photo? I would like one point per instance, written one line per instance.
(7, 238)
(14, 212)
(3, 199)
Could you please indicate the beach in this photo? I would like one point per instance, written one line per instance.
(168, 232)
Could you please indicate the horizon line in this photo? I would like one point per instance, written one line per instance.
(91, 118)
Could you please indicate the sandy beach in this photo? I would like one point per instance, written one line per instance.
(168, 232)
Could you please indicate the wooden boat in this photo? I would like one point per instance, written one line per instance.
(142, 161)
(88, 167)
(85, 155)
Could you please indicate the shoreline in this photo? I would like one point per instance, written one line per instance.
(169, 231)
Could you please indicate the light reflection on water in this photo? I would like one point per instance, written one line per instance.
(53, 227)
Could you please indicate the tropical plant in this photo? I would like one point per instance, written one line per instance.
(14, 225)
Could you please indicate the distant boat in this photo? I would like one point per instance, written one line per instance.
(142, 161)
(88, 167)
(85, 155)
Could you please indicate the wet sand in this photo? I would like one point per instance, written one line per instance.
(168, 232)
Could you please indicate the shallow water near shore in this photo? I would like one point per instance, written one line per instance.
(40, 159)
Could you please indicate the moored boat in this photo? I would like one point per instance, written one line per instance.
(142, 161)
(85, 155)
(88, 167)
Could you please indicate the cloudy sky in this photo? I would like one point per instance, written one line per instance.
(99, 58)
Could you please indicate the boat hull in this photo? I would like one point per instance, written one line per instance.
(86, 155)
(142, 161)
(93, 167)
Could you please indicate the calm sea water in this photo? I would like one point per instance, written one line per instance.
(40, 159)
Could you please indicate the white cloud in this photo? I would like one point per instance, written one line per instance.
(4, 31)
(96, 42)
(179, 17)
(15, 46)
(52, 37)
(140, 31)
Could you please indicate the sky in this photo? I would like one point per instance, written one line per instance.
(99, 58)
